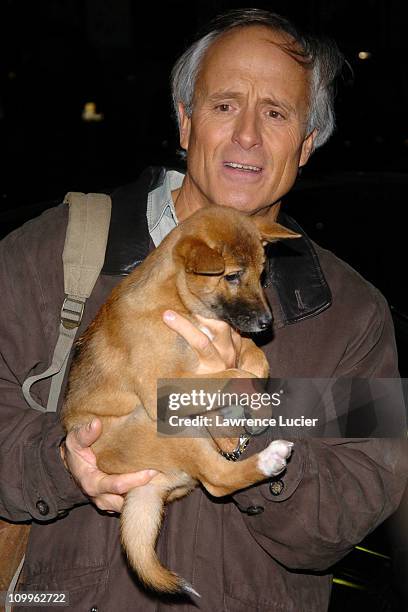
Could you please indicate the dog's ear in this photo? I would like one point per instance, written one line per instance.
(198, 257)
(271, 231)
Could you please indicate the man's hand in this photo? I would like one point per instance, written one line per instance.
(104, 490)
(217, 349)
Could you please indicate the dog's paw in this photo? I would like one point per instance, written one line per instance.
(272, 460)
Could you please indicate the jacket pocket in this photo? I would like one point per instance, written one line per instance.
(70, 551)
(83, 591)
(252, 579)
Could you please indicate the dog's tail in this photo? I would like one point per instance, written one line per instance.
(140, 521)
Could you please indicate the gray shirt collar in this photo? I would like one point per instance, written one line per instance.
(161, 214)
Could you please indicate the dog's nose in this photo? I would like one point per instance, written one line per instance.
(264, 320)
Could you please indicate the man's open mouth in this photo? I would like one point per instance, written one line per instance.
(246, 167)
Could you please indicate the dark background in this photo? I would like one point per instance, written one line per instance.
(58, 55)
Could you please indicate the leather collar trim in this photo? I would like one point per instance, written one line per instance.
(293, 266)
(294, 270)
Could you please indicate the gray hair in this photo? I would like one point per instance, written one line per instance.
(322, 57)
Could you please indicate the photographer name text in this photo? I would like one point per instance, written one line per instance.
(220, 421)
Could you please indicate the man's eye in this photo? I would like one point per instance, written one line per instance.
(275, 114)
(223, 107)
(233, 278)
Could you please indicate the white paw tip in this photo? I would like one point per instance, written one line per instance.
(272, 460)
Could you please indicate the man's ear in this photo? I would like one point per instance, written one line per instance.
(272, 231)
(185, 126)
(198, 257)
(307, 148)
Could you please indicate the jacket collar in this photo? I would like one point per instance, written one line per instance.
(128, 238)
(293, 266)
(294, 269)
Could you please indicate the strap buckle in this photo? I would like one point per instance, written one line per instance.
(72, 311)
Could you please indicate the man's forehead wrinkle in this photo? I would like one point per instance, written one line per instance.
(219, 59)
(236, 86)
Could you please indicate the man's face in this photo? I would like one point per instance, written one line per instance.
(250, 109)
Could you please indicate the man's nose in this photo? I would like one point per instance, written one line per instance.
(247, 132)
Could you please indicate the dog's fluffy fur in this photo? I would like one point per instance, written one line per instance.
(210, 266)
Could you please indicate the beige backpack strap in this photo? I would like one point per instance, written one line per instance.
(83, 257)
(85, 241)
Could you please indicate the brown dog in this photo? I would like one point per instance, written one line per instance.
(210, 266)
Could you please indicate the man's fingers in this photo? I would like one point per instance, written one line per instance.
(122, 483)
(237, 341)
(225, 341)
(197, 339)
(85, 435)
(214, 341)
(109, 503)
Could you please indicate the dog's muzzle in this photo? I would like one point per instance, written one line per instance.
(247, 317)
(252, 322)
(264, 321)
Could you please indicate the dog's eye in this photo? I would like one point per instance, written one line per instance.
(233, 278)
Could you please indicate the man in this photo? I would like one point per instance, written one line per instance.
(253, 99)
